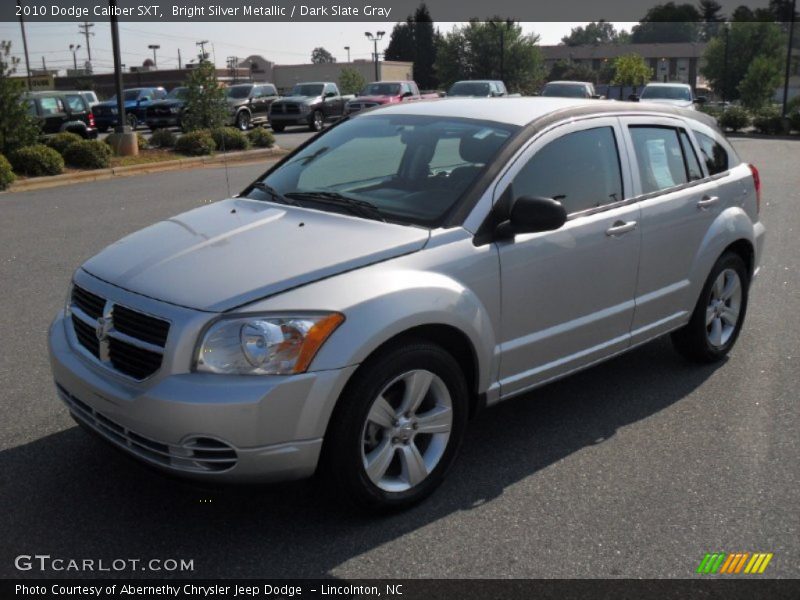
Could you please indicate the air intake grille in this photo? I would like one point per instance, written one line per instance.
(123, 339)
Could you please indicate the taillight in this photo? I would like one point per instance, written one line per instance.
(757, 183)
(91, 120)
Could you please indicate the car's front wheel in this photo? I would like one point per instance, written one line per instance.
(397, 428)
(719, 314)
(317, 121)
(243, 120)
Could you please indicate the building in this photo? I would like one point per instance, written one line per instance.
(669, 62)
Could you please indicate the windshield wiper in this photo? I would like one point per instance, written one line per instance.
(273, 193)
(356, 206)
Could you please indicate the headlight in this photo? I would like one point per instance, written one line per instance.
(264, 345)
(174, 110)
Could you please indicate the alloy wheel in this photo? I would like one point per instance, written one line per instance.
(724, 305)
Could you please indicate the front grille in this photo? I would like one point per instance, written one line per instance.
(123, 339)
(292, 109)
(198, 454)
(361, 106)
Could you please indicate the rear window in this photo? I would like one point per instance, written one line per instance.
(660, 157)
(714, 155)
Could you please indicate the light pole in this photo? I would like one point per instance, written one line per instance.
(74, 49)
(154, 47)
(502, 45)
(725, 64)
(348, 52)
(788, 61)
(25, 47)
(202, 45)
(375, 39)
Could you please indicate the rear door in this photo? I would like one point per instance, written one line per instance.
(53, 113)
(77, 108)
(568, 295)
(679, 201)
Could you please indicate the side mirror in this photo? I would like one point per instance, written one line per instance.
(330, 94)
(532, 215)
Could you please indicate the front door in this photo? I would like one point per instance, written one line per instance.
(568, 295)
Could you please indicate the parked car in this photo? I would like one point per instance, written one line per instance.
(309, 104)
(674, 94)
(249, 104)
(414, 264)
(379, 93)
(62, 111)
(90, 97)
(167, 112)
(137, 101)
(570, 89)
(483, 88)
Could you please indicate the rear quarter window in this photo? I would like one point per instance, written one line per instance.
(714, 154)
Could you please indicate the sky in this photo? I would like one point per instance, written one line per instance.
(282, 43)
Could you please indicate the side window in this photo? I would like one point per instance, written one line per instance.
(330, 88)
(258, 91)
(269, 90)
(30, 106)
(580, 169)
(692, 164)
(714, 155)
(50, 106)
(75, 104)
(660, 157)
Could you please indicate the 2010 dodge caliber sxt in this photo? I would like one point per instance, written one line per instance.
(351, 309)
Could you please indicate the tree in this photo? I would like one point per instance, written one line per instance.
(564, 69)
(351, 81)
(416, 41)
(666, 23)
(745, 41)
(472, 51)
(709, 14)
(17, 127)
(401, 42)
(321, 56)
(205, 99)
(631, 69)
(759, 83)
(596, 32)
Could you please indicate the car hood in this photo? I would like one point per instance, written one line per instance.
(236, 251)
(373, 99)
(299, 99)
(170, 102)
(678, 103)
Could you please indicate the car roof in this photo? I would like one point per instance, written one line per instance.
(673, 84)
(522, 111)
(562, 82)
(477, 81)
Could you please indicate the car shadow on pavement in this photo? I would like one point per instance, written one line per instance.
(68, 495)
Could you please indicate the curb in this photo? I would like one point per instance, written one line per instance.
(37, 183)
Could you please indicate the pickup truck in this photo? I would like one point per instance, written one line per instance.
(379, 93)
(309, 104)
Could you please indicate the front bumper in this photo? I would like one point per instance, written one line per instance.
(224, 428)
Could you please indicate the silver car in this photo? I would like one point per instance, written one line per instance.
(351, 310)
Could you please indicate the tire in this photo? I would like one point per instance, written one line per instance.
(243, 120)
(317, 121)
(133, 122)
(719, 314)
(381, 390)
(278, 127)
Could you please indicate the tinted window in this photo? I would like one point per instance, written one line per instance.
(660, 158)
(714, 154)
(692, 164)
(75, 103)
(50, 106)
(565, 90)
(580, 169)
(666, 92)
(239, 92)
(330, 89)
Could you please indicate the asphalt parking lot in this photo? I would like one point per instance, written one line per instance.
(290, 138)
(634, 468)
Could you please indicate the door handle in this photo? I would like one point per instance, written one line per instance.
(707, 202)
(620, 228)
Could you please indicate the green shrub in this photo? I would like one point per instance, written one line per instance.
(228, 139)
(61, 141)
(714, 111)
(163, 138)
(36, 161)
(196, 143)
(768, 120)
(7, 176)
(734, 118)
(794, 121)
(142, 141)
(89, 154)
(261, 138)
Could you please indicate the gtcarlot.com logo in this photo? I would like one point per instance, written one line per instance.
(45, 562)
(734, 563)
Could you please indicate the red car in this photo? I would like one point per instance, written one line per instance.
(379, 93)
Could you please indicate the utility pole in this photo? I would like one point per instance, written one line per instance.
(788, 61)
(503, 45)
(44, 64)
(154, 47)
(375, 39)
(725, 64)
(180, 65)
(74, 49)
(86, 30)
(25, 47)
(202, 45)
(348, 52)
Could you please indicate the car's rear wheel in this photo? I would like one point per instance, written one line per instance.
(719, 314)
(397, 428)
(243, 120)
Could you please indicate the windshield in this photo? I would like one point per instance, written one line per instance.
(381, 89)
(307, 89)
(565, 90)
(469, 88)
(411, 168)
(666, 92)
(239, 91)
(178, 93)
